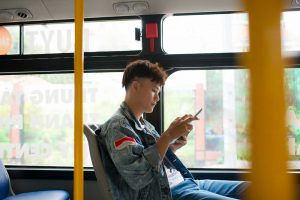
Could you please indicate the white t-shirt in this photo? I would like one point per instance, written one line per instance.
(174, 177)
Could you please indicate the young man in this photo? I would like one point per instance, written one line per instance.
(141, 163)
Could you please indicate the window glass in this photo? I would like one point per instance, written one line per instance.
(112, 36)
(221, 33)
(220, 136)
(37, 115)
(292, 85)
(206, 33)
(49, 38)
(9, 40)
(290, 31)
(98, 36)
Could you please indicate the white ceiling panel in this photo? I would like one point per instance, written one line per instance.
(36, 7)
(60, 9)
(64, 9)
(179, 6)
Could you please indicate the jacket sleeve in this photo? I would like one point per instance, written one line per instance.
(136, 164)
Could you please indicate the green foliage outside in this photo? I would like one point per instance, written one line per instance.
(292, 86)
(242, 114)
(4, 128)
(214, 102)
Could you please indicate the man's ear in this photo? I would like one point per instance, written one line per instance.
(135, 85)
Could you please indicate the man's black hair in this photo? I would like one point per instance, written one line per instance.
(143, 69)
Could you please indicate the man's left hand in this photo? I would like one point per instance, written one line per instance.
(180, 142)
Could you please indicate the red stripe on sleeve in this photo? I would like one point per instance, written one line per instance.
(122, 140)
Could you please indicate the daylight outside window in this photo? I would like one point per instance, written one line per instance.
(215, 33)
(220, 136)
(37, 115)
(9, 40)
(221, 33)
(99, 36)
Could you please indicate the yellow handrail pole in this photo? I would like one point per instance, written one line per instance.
(78, 107)
(270, 180)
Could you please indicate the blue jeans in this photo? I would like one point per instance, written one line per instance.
(191, 189)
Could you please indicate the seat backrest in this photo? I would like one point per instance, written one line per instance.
(95, 152)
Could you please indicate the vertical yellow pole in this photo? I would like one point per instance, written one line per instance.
(270, 180)
(78, 107)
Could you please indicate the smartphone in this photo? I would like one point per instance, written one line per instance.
(197, 113)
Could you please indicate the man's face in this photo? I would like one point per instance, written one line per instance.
(147, 94)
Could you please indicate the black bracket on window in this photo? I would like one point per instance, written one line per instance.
(138, 34)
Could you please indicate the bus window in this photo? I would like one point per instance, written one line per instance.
(49, 38)
(221, 33)
(290, 31)
(292, 88)
(205, 33)
(37, 115)
(220, 136)
(99, 36)
(9, 40)
(112, 36)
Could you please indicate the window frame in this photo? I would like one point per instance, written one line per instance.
(115, 62)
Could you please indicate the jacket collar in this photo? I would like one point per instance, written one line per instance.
(130, 116)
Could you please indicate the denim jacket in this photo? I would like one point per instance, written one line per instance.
(130, 156)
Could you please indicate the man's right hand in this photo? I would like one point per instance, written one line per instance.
(181, 126)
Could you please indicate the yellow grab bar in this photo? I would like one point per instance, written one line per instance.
(78, 107)
(269, 151)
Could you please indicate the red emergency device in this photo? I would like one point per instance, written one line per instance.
(151, 34)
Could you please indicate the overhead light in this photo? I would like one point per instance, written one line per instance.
(121, 8)
(140, 7)
(131, 7)
(23, 13)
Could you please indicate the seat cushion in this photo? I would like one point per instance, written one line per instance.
(41, 195)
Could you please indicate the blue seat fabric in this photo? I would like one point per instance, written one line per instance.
(41, 195)
(5, 189)
(4, 182)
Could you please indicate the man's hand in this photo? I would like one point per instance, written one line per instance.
(180, 142)
(181, 126)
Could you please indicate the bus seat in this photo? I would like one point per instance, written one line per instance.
(89, 132)
(6, 192)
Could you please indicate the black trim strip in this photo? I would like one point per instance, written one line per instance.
(64, 62)
(69, 20)
(89, 174)
(49, 173)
